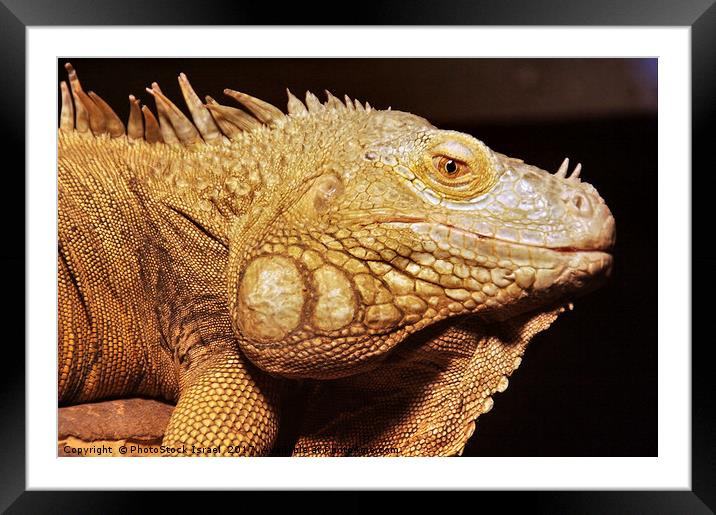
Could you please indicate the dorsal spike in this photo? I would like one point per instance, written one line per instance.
(97, 123)
(237, 117)
(314, 105)
(201, 115)
(242, 120)
(358, 105)
(81, 114)
(228, 128)
(349, 102)
(135, 128)
(295, 106)
(114, 125)
(563, 169)
(368, 107)
(67, 114)
(332, 101)
(165, 124)
(93, 113)
(152, 130)
(183, 128)
(264, 111)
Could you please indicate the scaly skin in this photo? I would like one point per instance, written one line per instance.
(397, 270)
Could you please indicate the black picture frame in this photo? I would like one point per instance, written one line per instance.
(16, 16)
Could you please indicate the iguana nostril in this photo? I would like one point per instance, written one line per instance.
(582, 204)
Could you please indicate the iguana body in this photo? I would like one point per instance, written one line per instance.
(390, 271)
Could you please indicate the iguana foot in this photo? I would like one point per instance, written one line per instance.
(226, 409)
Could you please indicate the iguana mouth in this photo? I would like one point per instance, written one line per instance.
(435, 228)
(605, 248)
(602, 241)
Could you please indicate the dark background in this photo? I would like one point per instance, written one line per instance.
(588, 385)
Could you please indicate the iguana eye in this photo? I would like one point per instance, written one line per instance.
(451, 172)
(455, 169)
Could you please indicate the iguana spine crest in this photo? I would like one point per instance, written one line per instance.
(212, 122)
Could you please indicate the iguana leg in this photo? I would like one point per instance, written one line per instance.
(226, 405)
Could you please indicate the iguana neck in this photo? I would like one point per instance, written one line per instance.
(219, 185)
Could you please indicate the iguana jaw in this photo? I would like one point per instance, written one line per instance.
(602, 242)
(468, 272)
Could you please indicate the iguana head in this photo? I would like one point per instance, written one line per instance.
(399, 225)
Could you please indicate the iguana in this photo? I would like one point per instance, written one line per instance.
(374, 276)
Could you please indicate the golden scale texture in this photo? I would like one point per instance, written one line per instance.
(371, 276)
(224, 412)
(142, 307)
(424, 400)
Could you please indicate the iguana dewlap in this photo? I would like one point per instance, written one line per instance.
(387, 273)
